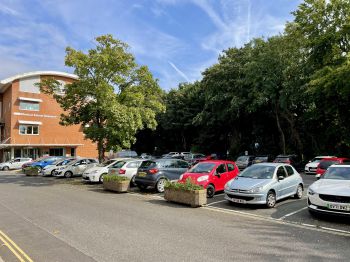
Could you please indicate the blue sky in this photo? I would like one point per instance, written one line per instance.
(176, 39)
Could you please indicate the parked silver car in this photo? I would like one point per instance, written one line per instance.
(49, 170)
(15, 163)
(75, 168)
(265, 183)
(331, 194)
(126, 167)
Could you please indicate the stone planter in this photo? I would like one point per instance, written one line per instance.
(195, 198)
(31, 172)
(117, 186)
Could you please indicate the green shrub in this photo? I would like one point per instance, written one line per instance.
(109, 178)
(29, 168)
(188, 185)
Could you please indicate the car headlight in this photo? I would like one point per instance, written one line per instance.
(255, 189)
(180, 178)
(310, 192)
(202, 178)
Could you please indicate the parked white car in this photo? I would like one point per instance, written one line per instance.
(49, 170)
(331, 193)
(96, 173)
(126, 168)
(75, 168)
(311, 167)
(15, 163)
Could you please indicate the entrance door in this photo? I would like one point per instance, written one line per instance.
(30, 152)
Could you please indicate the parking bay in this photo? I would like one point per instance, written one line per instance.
(289, 210)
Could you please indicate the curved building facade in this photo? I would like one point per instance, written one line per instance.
(29, 120)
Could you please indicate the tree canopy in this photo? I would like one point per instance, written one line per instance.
(113, 98)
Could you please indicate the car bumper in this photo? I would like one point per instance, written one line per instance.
(317, 205)
(45, 172)
(91, 178)
(145, 181)
(257, 198)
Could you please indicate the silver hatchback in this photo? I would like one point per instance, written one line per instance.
(265, 183)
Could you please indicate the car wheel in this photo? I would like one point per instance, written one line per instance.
(53, 172)
(271, 199)
(132, 182)
(299, 193)
(5, 168)
(68, 174)
(210, 191)
(101, 177)
(160, 185)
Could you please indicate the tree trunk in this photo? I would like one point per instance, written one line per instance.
(283, 139)
(295, 134)
(101, 151)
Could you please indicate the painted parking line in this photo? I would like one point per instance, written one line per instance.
(213, 203)
(14, 248)
(292, 213)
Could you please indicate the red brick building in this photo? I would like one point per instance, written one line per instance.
(29, 120)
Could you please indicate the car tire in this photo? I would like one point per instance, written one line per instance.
(271, 199)
(53, 172)
(132, 181)
(101, 177)
(5, 168)
(299, 193)
(68, 174)
(160, 185)
(210, 191)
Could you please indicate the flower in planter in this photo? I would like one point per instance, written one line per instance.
(111, 178)
(188, 185)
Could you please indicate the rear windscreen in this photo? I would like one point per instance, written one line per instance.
(326, 164)
(147, 164)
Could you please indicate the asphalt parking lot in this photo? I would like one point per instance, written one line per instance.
(288, 210)
(57, 219)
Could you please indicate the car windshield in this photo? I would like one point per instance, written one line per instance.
(258, 172)
(261, 158)
(58, 161)
(119, 164)
(281, 159)
(339, 173)
(202, 168)
(108, 162)
(242, 158)
(327, 163)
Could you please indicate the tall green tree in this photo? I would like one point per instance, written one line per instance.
(113, 98)
(325, 29)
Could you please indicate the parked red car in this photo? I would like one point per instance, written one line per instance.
(327, 162)
(211, 174)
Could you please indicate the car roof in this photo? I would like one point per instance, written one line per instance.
(272, 164)
(217, 161)
(341, 165)
(334, 158)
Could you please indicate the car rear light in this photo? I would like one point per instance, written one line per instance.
(121, 171)
(153, 170)
(288, 161)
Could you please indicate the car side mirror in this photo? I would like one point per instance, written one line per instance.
(280, 178)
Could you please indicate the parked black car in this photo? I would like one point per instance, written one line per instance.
(244, 161)
(263, 159)
(154, 173)
(293, 160)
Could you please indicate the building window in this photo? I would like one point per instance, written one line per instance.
(28, 130)
(28, 105)
(28, 84)
(56, 152)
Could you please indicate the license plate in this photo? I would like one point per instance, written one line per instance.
(236, 200)
(142, 174)
(339, 207)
